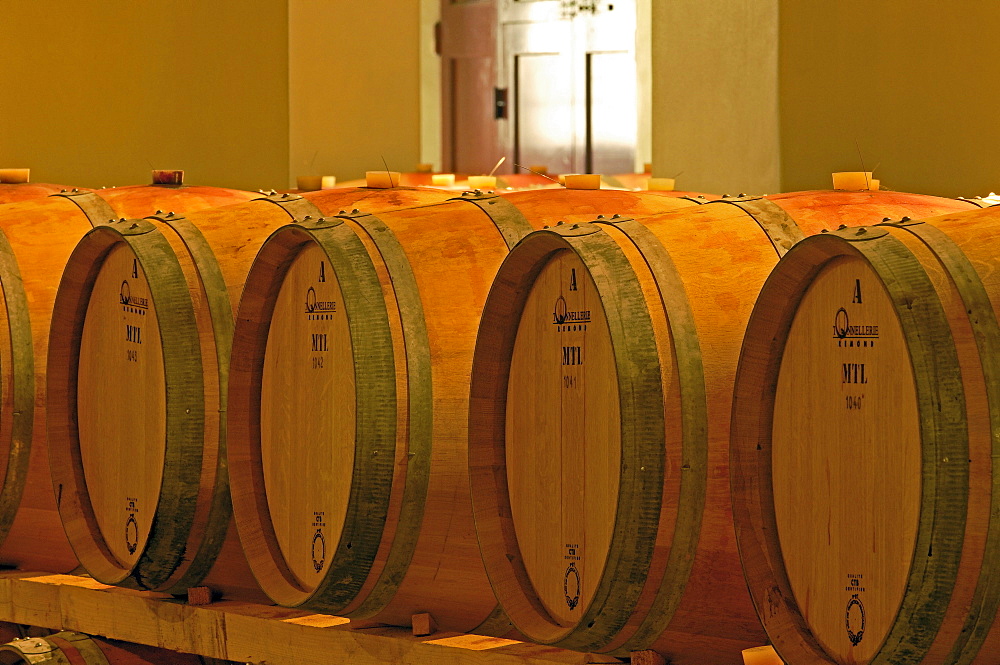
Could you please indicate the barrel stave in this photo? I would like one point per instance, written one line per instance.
(731, 256)
(951, 254)
(213, 250)
(15, 193)
(42, 233)
(817, 210)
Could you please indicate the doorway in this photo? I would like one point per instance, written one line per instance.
(553, 83)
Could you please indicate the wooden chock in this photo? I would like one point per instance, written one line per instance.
(647, 657)
(765, 655)
(423, 624)
(603, 659)
(199, 595)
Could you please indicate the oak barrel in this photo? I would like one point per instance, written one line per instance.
(349, 400)
(147, 305)
(864, 446)
(71, 648)
(37, 238)
(598, 423)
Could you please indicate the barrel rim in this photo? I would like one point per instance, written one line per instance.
(928, 335)
(163, 550)
(87, 650)
(685, 351)
(374, 367)
(22, 401)
(982, 319)
(208, 541)
(419, 401)
(637, 516)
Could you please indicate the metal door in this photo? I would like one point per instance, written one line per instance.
(570, 73)
(542, 82)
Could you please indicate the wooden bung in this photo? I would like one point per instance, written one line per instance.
(879, 347)
(583, 180)
(443, 179)
(482, 182)
(349, 400)
(15, 176)
(37, 238)
(71, 648)
(599, 420)
(147, 305)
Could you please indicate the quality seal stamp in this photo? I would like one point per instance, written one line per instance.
(572, 586)
(854, 617)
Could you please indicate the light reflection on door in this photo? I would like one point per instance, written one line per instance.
(572, 76)
(612, 123)
(569, 71)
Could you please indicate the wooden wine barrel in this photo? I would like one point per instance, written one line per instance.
(583, 205)
(13, 193)
(599, 421)
(349, 400)
(864, 446)
(38, 236)
(71, 648)
(146, 305)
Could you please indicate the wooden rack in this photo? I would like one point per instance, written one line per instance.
(250, 633)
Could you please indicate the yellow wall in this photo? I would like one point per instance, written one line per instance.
(93, 93)
(714, 68)
(354, 86)
(913, 84)
(251, 94)
(430, 85)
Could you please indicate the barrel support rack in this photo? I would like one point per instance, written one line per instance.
(250, 633)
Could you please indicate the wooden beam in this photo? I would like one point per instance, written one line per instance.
(250, 633)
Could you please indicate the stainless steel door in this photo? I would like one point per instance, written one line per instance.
(606, 43)
(570, 71)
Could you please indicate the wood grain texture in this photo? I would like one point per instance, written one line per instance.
(956, 252)
(384, 276)
(434, 265)
(308, 395)
(700, 274)
(182, 417)
(944, 368)
(41, 233)
(838, 461)
(575, 205)
(212, 251)
(246, 632)
(120, 356)
(13, 193)
(817, 210)
(561, 365)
